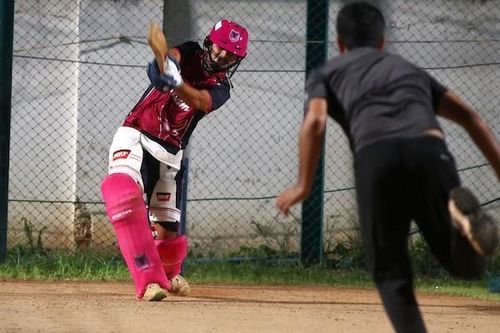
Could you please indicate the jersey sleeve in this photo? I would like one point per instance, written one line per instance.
(187, 49)
(220, 94)
(437, 91)
(315, 86)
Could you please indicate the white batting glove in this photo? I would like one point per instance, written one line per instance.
(172, 76)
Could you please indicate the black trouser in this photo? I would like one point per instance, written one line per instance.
(399, 181)
(150, 171)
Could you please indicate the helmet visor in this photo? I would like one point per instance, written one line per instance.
(222, 57)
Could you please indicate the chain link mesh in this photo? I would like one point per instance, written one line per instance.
(79, 68)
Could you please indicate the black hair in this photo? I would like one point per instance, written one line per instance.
(360, 24)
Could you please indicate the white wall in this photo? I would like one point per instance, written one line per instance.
(79, 67)
(44, 124)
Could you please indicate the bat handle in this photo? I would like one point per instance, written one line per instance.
(160, 59)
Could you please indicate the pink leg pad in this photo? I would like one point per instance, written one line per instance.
(127, 212)
(172, 252)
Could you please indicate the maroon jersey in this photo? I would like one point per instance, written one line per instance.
(165, 117)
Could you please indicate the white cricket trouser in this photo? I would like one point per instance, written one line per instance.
(126, 155)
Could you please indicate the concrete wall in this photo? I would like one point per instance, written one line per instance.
(44, 119)
(79, 67)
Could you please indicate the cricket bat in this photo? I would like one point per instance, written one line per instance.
(158, 43)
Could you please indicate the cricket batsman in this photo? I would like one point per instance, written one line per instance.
(142, 185)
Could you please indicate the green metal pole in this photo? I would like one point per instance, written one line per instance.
(6, 35)
(178, 21)
(311, 243)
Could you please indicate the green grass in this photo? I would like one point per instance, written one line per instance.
(255, 273)
(283, 273)
(22, 264)
(451, 286)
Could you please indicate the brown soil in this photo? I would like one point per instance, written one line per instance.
(111, 307)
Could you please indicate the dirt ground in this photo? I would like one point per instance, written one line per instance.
(111, 307)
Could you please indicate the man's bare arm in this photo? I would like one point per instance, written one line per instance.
(453, 108)
(310, 143)
(199, 99)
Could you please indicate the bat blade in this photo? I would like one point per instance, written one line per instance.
(158, 43)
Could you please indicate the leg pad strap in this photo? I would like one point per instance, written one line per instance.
(172, 251)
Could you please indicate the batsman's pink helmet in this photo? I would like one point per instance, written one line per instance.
(230, 36)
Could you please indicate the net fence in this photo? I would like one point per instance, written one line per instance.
(80, 66)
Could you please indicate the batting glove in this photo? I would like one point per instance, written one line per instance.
(170, 79)
(172, 76)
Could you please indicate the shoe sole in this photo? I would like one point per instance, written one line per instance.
(158, 296)
(154, 294)
(468, 217)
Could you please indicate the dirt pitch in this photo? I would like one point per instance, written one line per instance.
(111, 307)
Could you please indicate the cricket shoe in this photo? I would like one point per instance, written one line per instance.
(467, 216)
(154, 293)
(180, 287)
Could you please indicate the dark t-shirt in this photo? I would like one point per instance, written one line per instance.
(375, 95)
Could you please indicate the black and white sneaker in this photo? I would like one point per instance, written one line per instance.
(468, 217)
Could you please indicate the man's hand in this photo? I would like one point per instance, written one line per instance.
(169, 80)
(288, 198)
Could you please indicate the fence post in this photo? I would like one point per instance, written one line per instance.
(183, 198)
(177, 25)
(6, 36)
(311, 242)
(177, 21)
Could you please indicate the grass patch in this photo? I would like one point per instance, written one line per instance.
(23, 264)
(261, 272)
(451, 286)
